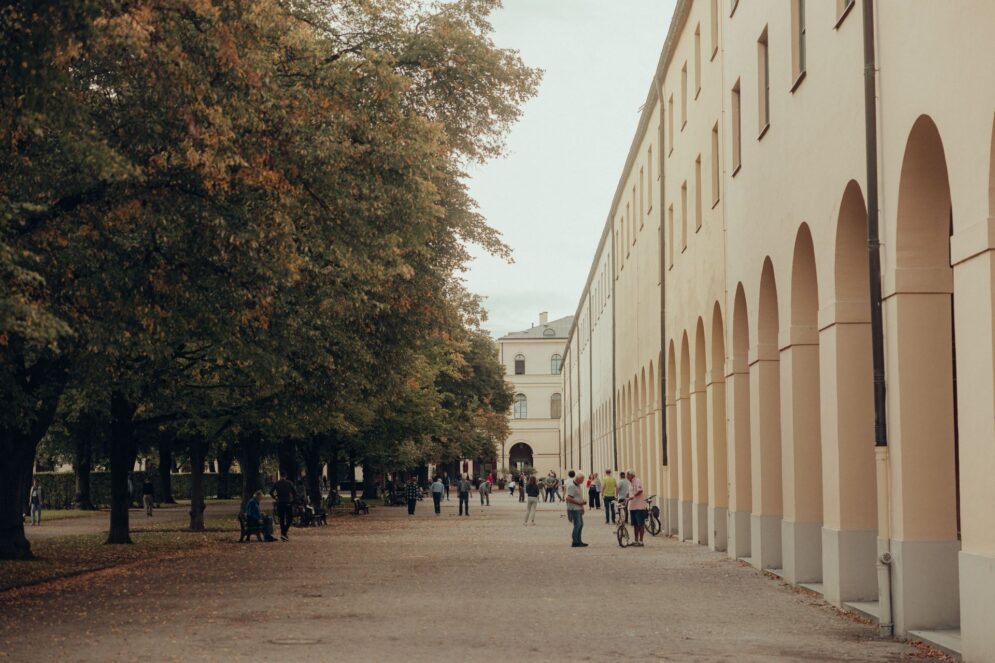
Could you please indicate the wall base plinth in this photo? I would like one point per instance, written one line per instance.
(977, 587)
(685, 526)
(925, 585)
(849, 572)
(765, 537)
(802, 551)
(670, 523)
(739, 534)
(717, 522)
(700, 523)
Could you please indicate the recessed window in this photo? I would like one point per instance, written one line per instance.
(555, 406)
(519, 364)
(632, 234)
(637, 205)
(555, 364)
(642, 198)
(715, 164)
(697, 193)
(684, 216)
(649, 179)
(715, 28)
(763, 84)
(697, 61)
(732, 10)
(684, 96)
(549, 331)
(670, 236)
(736, 129)
(797, 42)
(521, 407)
(670, 124)
(843, 8)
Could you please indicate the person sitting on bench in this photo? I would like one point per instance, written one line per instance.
(254, 516)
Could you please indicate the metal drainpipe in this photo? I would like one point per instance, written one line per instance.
(614, 389)
(885, 625)
(590, 376)
(663, 311)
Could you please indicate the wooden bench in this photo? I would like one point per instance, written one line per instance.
(359, 506)
(247, 529)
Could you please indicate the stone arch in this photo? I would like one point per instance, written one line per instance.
(718, 481)
(699, 422)
(739, 431)
(921, 388)
(684, 447)
(849, 498)
(801, 429)
(765, 402)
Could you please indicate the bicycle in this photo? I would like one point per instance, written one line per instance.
(622, 531)
(653, 525)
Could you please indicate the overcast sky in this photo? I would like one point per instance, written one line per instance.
(549, 196)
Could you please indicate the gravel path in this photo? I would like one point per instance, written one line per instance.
(431, 588)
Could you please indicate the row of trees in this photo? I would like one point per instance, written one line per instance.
(237, 226)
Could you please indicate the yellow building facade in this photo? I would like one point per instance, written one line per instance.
(800, 401)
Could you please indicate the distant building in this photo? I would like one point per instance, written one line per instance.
(533, 360)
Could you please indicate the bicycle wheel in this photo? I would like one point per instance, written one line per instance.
(653, 524)
(622, 534)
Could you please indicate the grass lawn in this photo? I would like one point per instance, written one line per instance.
(65, 514)
(71, 555)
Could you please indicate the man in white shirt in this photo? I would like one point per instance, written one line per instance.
(575, 509)
(637, 507)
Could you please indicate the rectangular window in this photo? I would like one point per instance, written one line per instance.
(843, 8)
(715, 164)
(715, 28)
(697, 193)
(763, 84)
(736, 130)
(649, 179)
(797, 42)
(642, 193)
(684, 216)
(631, 237)
(670, 236)
(684, 96)
(670, 124)
(697, 61)
(635, 206)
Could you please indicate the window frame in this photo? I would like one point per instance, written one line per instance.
(697, 61)
(843, 9)
(714, 29)
(520, 407)
(519, 358)
(763, 84)
(684, 216)
(716, 175)
(556, 364)
(697, 194)
(737, 127)
(798, 43)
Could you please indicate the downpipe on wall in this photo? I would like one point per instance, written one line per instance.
(886, 626)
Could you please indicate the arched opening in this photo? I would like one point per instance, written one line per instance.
(520, 457)
(686, 517)
(800, 430)
(740, 454)
(670, 450)
(555, 364)
(921, 391)
(718, 482)
(699, 451)
(765, 400)
(849, 532)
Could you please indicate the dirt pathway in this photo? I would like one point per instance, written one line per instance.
(431, 588)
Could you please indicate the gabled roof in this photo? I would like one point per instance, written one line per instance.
(552, 329)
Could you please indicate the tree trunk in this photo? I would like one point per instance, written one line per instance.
(166, 468)
(225, 457)
(249, 446)
(333, 469)
(287, 454)
(313, 460)
(369, 485)
(352, 476)
(13, 543)
(122, 453)
(82, 464)
(198, 453)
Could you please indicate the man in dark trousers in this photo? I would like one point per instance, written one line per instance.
(463, 489)
(411, 495)
(284, 493)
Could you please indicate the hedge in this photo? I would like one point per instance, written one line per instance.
(59, 488)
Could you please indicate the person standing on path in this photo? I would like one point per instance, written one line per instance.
(622, 492)
(284, 493)
(521, 487)
(148, 495)
(594, 492)
(438, 488)
(35, 502)
(608, 487)
(485, 492)
(445, 482)
(532, 491)
(463, 489)
(575, 509)
(411, 495)
(636, 505)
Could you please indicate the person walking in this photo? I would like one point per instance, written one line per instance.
(485, 492)
(594, 492)
(532, 491)
(521, 487)
(575, 509)
(411, 495)
(255, 518)
(511, 487)
(148, 495)
(35, 502)
(284, 493)
(636, 504)
(548, 484)
(445, 482)
(438, 488)
(608, 488)
(463, 489)
(622, 492)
